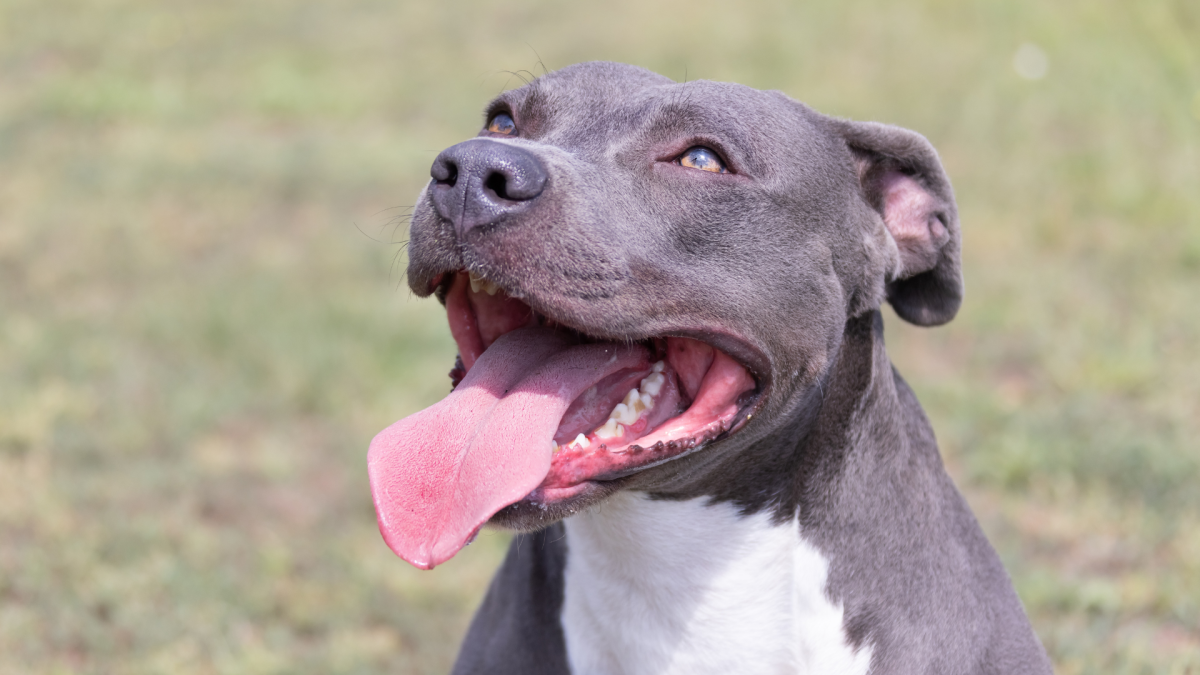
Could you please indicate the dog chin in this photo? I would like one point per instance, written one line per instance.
(544, 507)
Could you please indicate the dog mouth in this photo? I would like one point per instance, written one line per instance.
(539, 412)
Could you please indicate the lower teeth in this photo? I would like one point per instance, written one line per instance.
(627, 412)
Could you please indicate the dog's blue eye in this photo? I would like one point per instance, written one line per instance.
(702, 158)
(502, 123)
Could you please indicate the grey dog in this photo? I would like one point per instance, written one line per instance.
(673, 382)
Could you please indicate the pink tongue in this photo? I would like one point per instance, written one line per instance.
(438, 475)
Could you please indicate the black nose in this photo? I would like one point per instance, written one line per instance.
(482, 181)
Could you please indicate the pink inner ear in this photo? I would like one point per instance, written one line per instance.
(909, 211)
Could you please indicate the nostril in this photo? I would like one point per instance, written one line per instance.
(445, 173)
(496, 182)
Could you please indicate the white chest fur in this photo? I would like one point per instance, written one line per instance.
(684, 587)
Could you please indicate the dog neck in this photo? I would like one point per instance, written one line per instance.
(657, 586)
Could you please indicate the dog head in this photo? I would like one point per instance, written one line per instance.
(639, 273)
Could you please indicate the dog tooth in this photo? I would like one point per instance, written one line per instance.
(610, 430)
(581, 441)
(653, 383)
(480, 284)
(618, 411)
(632, 397)
(647, 401)
(554, 446)
(659, 367)
(625, 414)
(654, 377)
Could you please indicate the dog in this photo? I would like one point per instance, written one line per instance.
(672, 383)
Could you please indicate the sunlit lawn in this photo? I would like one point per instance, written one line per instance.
(203, 320)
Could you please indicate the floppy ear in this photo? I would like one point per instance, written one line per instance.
(903, 180)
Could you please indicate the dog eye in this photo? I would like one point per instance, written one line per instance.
(502, 123)
(702, 158)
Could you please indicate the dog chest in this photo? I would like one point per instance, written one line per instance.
(685, 587)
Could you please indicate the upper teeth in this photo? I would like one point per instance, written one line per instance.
(478, 284)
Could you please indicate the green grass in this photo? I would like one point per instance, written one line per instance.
(204, 322)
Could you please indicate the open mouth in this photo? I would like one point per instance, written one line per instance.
(539, 412)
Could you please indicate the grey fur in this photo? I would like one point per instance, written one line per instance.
(783, 264)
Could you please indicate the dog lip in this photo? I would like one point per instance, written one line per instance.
(564, 496)
(560, 501)
(668, 452)
(740, 348)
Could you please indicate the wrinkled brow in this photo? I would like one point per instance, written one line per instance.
(685, 118)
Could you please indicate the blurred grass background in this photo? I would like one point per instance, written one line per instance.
(203, 318)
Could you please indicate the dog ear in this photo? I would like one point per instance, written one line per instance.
(903, 180)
